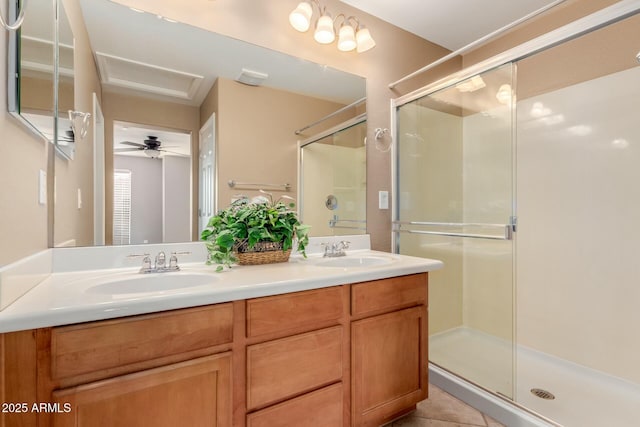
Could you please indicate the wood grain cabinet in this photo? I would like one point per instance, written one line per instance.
(352, 355)
(389, 361)
(192, 393)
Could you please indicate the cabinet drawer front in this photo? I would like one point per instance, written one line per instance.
(277, 370)
(299, 311)
(388, 294)
(96, 346)
(192, 393)
(321, 408)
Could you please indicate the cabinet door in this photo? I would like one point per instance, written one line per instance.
(389, 365)
(192, 393)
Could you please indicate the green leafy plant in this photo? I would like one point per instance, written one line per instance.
(247, 222)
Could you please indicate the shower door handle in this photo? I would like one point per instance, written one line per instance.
(506, 230)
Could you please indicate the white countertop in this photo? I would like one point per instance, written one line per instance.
(70, 297)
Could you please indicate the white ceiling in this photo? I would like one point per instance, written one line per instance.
(157, 44)
(449, 23)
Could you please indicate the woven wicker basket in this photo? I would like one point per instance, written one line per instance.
(261, 253)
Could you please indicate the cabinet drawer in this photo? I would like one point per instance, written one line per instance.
(321, 408)
(192, 393)
(96, 346)
(388, 294)
(299, 311)
(277, 370)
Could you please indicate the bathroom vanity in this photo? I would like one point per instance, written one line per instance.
(327, 349)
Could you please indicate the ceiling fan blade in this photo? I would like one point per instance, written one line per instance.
(123, 150)
(175, 153)
(135, 144)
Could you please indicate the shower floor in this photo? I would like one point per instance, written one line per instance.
(583, 397)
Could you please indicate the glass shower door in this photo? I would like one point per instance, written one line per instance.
(454, 187)
(334, 182)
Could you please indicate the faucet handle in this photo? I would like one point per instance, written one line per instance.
(173, 260)
(137, 255)
(345, 244)
(146, 261)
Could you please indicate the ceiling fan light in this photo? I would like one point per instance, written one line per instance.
(346, 38)
(300, 18)
(364, 40)
(324, 30)
(153, 153)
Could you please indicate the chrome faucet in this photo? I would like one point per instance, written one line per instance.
(160, 262)
(335, 249)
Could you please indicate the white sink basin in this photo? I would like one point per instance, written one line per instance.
(150, 283)
(355, 261)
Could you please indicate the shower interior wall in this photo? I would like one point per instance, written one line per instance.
(335, 165)
(578, 147)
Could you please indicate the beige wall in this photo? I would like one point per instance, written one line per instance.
(72, 223)
(255, 129)
(147, 112)
(23, 222)
(266, 24)
(560, 15)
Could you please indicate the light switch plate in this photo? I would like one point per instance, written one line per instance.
(42, 187)
(383, 199)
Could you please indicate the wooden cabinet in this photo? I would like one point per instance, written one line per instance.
(389, 365)
(298, 359)
(192, 393)
(321, 408)
(280, 369)
(389, 361)
(352, 355)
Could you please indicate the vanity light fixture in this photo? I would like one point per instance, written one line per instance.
(504, 94)
(351, 34)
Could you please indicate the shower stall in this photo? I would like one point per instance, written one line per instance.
(333, 180)
(523, 176)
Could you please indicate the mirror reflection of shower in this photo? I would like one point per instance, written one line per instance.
(333, 183)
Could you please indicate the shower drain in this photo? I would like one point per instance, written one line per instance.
(542, 394)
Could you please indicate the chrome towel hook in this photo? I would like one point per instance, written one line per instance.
(18, 21)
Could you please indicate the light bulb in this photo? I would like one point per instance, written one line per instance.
(364, 39)
(504, 94)
(324, 30)
(300, 18)
(346, 38)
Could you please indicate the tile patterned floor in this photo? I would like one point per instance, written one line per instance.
(444, 410)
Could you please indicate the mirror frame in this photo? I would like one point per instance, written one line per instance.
(14, 79)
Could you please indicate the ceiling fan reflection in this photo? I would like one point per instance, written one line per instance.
(150, 146)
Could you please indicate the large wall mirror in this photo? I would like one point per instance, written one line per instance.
(173, 134)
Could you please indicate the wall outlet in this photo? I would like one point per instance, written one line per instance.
(383, 199)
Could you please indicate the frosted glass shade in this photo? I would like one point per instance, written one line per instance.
(346, 38)
(324, 30)
(364, 39)
(300, 18)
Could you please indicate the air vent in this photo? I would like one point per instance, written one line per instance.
(251, 78)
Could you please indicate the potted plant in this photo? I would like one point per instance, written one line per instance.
(256, 231)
